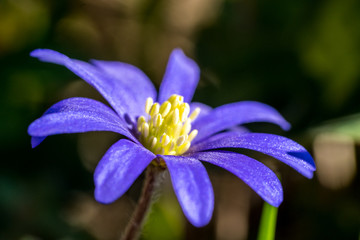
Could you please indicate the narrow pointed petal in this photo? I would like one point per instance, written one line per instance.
(233, 132)
(192, 187)
(120, 97)
(35, 141)
(255, 174)
(281, 148)
(75, 115)
(131, 77)
(181, 77)
(119, 168)
(232, 114)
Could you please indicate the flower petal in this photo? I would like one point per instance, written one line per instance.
(75, 115)
(235, 131)
(281, 148)
(130, 76)
(35, 141)
(192, 187)
(181, 77)
(119, 168)
(228, 115)
(119, 96)
(255, 174)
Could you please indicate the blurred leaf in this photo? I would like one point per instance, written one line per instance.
(22, 22)
(25, 89)
(349, 126)
(165, 220)
(330, 50)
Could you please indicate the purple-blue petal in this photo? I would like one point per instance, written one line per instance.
(181, 77)
(76, 115)
(233, 132)
(35, 141)
(119, 168)
(192, 187)
(255, 174)
(130, 77)
(281, 148)
(120, 97)
(229, 115)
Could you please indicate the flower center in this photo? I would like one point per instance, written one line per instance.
(167, 128)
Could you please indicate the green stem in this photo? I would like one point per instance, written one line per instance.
(268, 222)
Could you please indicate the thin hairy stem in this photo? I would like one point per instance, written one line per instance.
(132, 230)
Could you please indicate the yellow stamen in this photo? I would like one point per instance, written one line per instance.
(165, 108)
(192, 135)
(186, 127)
(184, 111)
(166, 129)
(184, 148)
(145, 130)
(140, 121)
(172, 145)
(154, 109)
(165, 140)
(153, 142)
(175, 116)
(180, 140)
(157, 120)
(194, 114)
(148, 104)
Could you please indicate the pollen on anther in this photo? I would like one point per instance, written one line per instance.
(172, 145)
(160, 150)
(153, 142)
(180, 140)
(154, 109)
(184, 148)
(166, 129)
(172, 153)
(165, 108)
(186, 127)
(140, 121)
(157, 120)
(175, 117)
(165, 139)
(145, 130)
(148, 104)
(184, 111)
(177, 130)
(174, 100)
(192, 135)
(194, 114)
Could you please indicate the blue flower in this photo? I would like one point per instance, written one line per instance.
(169, 131)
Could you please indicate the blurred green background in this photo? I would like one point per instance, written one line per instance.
(302, 57)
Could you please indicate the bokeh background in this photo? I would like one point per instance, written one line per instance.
(302, 57)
